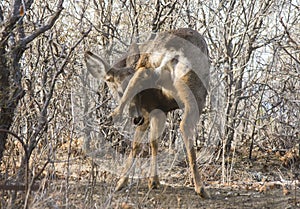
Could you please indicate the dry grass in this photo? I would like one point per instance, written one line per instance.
(74, 180)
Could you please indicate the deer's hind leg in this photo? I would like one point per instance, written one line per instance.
(136, 148)
(193, 103)
(157, 126)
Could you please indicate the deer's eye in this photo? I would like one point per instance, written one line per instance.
(109, 78)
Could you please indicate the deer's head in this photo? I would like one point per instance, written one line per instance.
(117, 75)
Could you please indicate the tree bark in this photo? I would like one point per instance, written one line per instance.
(11, 51)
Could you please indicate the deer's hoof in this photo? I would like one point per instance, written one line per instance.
(121, 183)
(153, 182)
(203, 193)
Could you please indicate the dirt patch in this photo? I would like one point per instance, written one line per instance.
(138, 196)
(267, 181)
(264, 182)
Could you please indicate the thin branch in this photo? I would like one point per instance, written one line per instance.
(43, 114)
(44, 28)
(292, 56)
(18, 138)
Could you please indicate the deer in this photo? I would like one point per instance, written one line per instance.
(168, 72)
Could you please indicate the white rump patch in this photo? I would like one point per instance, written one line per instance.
(172, 61)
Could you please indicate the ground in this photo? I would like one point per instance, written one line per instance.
(184, 197)
(101, 195)
(77, 180)
(269, 180)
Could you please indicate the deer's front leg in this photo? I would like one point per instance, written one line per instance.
(142, 79)
(136, 147)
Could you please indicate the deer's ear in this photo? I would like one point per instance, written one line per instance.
(96, 65)
(133, 55)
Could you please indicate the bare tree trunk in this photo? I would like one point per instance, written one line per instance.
(10, 74)
(13, 44)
